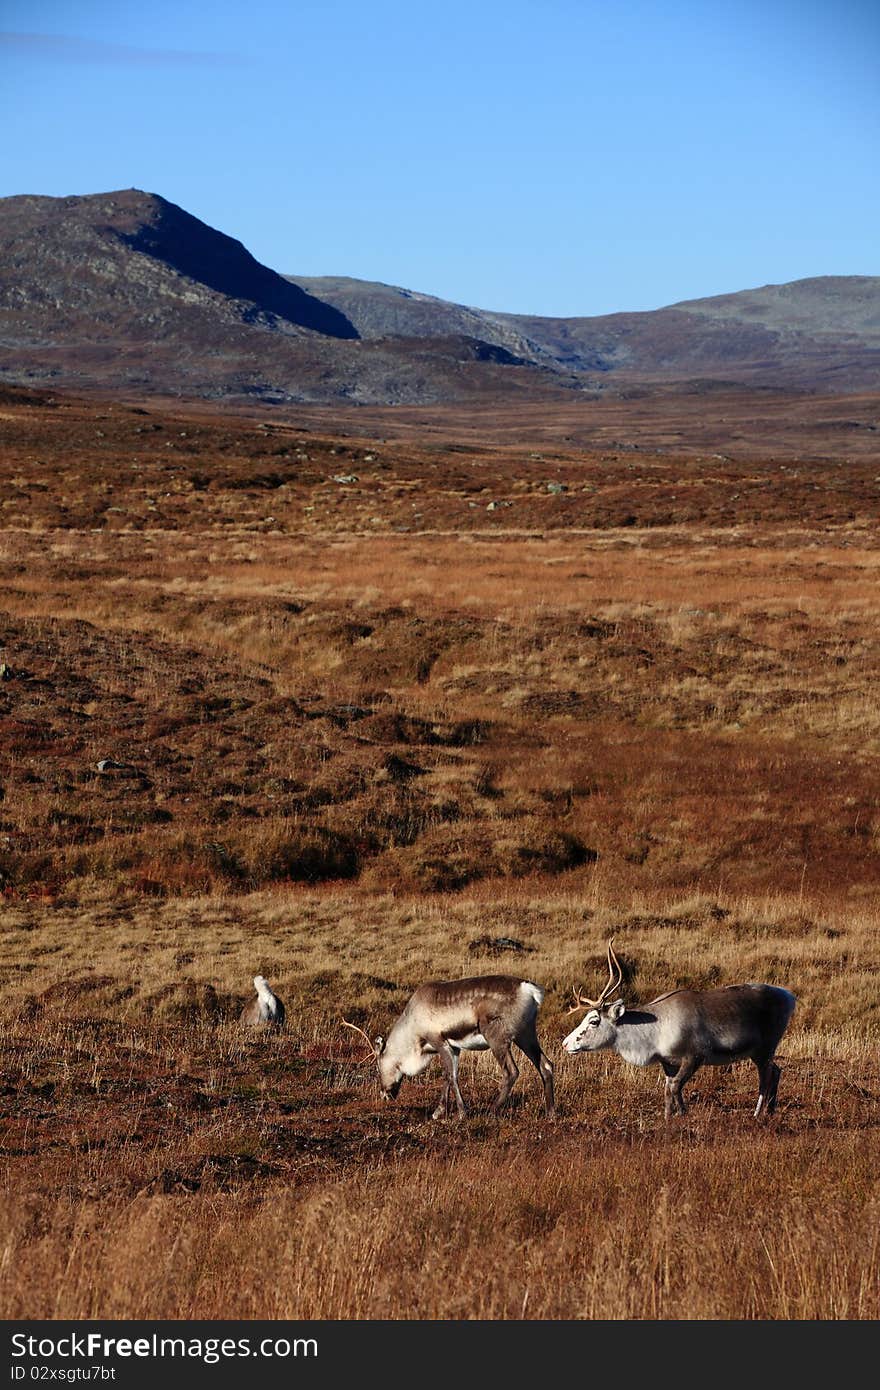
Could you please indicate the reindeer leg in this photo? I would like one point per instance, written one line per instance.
(669, 1070)
(449, 1057)
(768, 1083)
(774, 1087)
(528, 1043)
(675, 1080)
(498, 1039)
(442, 1111)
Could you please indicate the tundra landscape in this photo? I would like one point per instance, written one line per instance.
(356, 698)
(439, 684)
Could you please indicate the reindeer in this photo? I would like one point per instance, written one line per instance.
(448, 1017)
(266, 1011)
(688, 1029)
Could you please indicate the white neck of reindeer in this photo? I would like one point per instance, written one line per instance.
(638, 1040)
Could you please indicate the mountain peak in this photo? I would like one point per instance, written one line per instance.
(175, 241)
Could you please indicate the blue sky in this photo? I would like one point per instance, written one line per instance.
(544, 156)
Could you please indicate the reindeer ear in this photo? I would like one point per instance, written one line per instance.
(379, 1045)
(616, 1010)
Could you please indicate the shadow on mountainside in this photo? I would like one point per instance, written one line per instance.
(223, 264)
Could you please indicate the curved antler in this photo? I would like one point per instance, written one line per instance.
(581, 1000)
(355, 1029)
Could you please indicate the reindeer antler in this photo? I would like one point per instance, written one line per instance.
(355, 1029)
(581, 1000)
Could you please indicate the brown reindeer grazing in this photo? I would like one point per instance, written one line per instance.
(266, 1010)
(448, 1017)
(688, 1029)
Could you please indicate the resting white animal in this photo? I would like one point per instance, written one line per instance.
(266, 1011)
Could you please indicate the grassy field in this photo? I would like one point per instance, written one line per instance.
(374, 705)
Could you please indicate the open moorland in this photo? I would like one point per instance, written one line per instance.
(358, 699)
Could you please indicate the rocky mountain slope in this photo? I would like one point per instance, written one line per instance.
(92, 261)
(818, 332)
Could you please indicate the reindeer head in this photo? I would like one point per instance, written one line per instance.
(390, 1072)
(599, 1028)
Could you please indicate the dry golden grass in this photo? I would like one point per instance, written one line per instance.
(571, 1229)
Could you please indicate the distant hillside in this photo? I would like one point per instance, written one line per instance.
(386, 311)
(126, 291)
(818, 332)
(827, 305)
